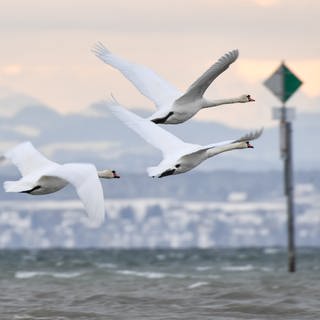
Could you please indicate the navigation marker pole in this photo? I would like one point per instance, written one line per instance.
(283, 83)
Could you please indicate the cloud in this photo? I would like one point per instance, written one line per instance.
(5, 146)
(257, 71)
(266, 3)
(213, 17)
(28, 131)
(178, 39)
(90, 147)
(10, 70)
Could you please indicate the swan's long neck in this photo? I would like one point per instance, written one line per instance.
(100, 174)
(214, 151)
(219, 102)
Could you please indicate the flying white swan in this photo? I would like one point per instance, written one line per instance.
(178, 156)
(42, 176)
(173, 106)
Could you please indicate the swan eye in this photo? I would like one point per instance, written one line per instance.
(248, 96)
(113, 171)
(178, 165)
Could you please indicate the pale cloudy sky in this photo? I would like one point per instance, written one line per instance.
(45, 51)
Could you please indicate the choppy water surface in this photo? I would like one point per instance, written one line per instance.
(158, 284)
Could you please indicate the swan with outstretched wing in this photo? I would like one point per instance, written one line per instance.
(43, 176)
(172, 105)
(178, 156)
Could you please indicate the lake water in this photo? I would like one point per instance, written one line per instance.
(158, 284)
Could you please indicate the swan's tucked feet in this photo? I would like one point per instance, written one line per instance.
(168, 172)
(31, 190)
(164, 119)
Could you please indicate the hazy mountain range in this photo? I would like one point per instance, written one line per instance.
(98, 137)
(199, 209)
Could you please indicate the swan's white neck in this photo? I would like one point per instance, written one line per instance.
(214, 151)
(218, 102)
(100, 174)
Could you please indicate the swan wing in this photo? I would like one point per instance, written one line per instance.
(149, 84)
(198, 88)
(27, 158)
(247, 137)
(84, 177)
(149, 131)
(250, 136)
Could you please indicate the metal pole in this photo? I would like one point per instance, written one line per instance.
(288, 184)
(290, 203)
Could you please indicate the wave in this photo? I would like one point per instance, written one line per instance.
(150, 274)
(161, 257)
(103, 265)
(203, 268)
(267, 269)
(197, 285)
(247, 267)
(32, 274)
(271, 250)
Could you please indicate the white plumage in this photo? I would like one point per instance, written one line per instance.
(173, 106)
(178, 156)
(42, 176)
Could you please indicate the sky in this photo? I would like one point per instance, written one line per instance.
(45, 51)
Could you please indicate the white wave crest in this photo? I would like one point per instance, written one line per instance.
(103, 265)
(32, 274)
(147, 274)
(247, 267)
(150, 274)
(197, 285)
(271, 250)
